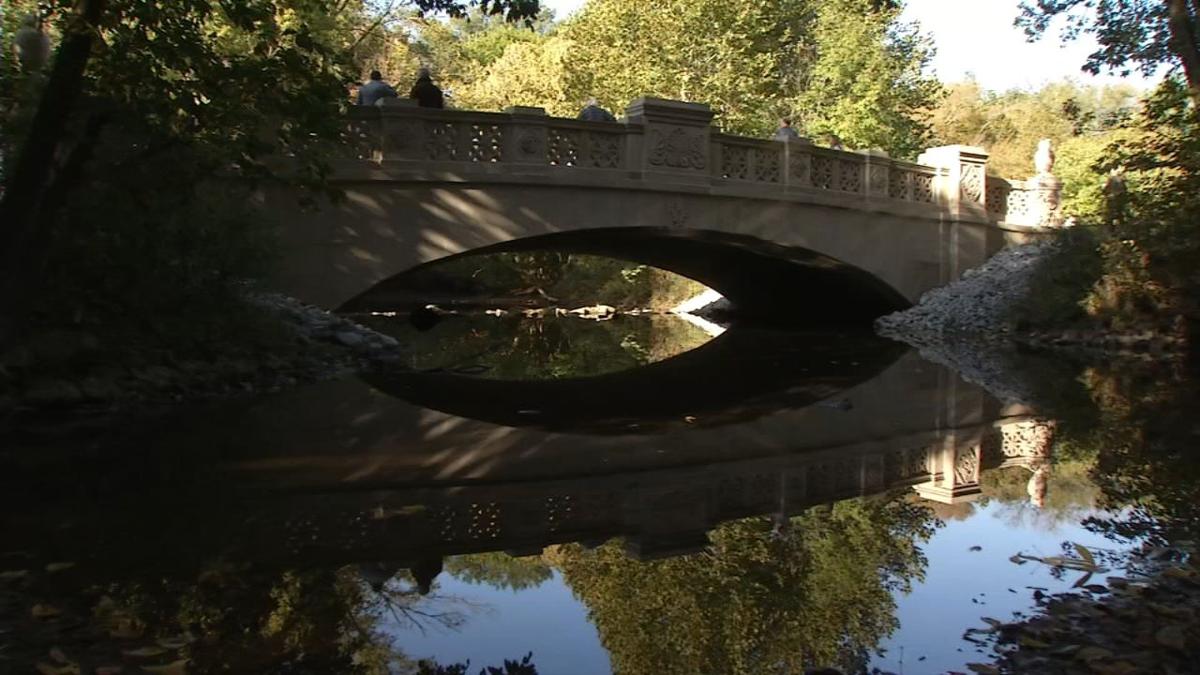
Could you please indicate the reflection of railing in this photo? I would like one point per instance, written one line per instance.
(671, 511)
(669, 143)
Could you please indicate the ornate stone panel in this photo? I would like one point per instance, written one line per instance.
(922, 188)
(849, 176)
(677, 148)
(899, 184)
(531, 145)
(970, 184)
(563, 147)
(800, 168)
(735, 162)
(822, 172)
(877, 179)
(604, 150)
(442, 141)
(766, 165)
(486, 143)
(997, 197)
(966, 466)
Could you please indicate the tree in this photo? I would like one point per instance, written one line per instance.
(233, 82)
(1148, 33)
(847, 67)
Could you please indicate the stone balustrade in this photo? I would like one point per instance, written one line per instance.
(673, 144)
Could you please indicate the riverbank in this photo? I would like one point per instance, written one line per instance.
(973, 325)
(66, 370)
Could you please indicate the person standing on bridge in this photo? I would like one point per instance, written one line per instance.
(372, 91)
(785, 130)
(592, 112)
(427, 93)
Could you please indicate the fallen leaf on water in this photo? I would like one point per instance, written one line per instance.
(59, 566)
(13, 574)
(983, 668)
(975, 548)
(144, 651)
(1017, 559)
(173, 668)
(44, 611)
(1085, 554)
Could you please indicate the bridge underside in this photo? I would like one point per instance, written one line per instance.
(760, 279)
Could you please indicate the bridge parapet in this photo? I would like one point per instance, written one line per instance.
(671, 144)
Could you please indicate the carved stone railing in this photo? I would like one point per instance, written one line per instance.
(662, 143)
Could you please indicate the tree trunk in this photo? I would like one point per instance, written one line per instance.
(1181, 18)
(34, 166)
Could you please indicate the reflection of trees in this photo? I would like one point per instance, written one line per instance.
(533, 349)
(759, 598)
(1146, 467)
(499, 570)
(1069, 495)
(235, 619)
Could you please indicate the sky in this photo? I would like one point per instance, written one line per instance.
(977, 37)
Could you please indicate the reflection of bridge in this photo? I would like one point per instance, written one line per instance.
(374, 478)
(428, 184)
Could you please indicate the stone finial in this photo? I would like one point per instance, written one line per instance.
(1043, 159)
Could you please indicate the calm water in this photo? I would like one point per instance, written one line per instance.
(640, 495)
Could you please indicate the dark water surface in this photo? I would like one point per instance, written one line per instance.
(641, 495)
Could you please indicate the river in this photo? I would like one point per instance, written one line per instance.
(638, 495)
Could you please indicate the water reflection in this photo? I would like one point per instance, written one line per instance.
(340, 528)
(550, 348)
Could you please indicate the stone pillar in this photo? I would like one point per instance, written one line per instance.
(962, 187)
(404, 133)
(955, 473)
(675, 145)
(797, 162)
(525, 137)
(878, 168)
(1047, 206)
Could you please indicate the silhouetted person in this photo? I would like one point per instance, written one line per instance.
(424, 572)
(785, 130)
(31, 45)
(377, 574)
(426, 92)
(592, 112)
(835, 143)
(375, 89)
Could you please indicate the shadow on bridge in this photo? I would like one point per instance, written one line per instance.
(763, 280)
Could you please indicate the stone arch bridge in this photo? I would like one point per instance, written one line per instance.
(773, 225)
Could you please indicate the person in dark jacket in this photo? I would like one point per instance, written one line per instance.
(592, 112)
(426, 92)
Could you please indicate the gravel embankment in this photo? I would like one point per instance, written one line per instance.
(964, 325)
(977, 304)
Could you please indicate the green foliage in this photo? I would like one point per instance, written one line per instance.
(758, 599)
(847, 67)
(1063, 282)
(1131, 34)
(1082, 121)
